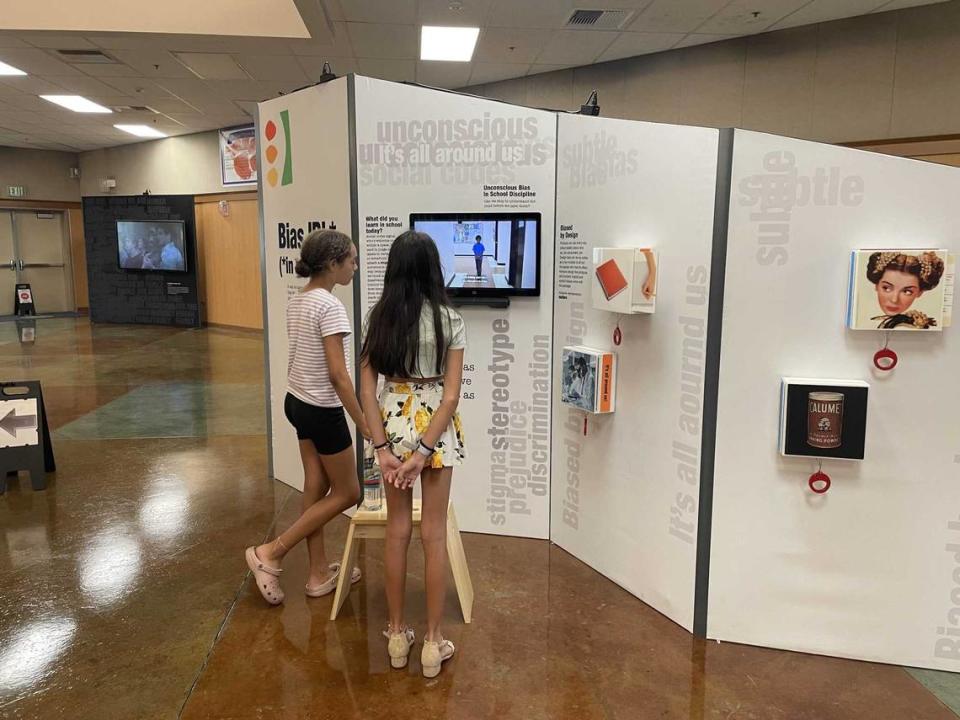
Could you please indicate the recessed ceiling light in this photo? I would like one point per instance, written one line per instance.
(453, 44)
(10, 69)
(141, 131)
(76, 103)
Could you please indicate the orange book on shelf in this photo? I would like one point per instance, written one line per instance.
(605, 403)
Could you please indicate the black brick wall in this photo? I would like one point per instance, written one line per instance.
(120, 296)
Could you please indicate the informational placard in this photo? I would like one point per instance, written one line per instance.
(305, 186)
(24, 433)
(18, 423)
(238, 155)
(421, 152)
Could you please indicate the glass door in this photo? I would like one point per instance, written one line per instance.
(43, 259)
(8, 263)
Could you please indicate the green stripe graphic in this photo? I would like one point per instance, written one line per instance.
(287, 155)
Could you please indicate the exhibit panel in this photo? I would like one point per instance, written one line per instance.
(868, 570)
(478, 176)
(304, 184)
(626, 483)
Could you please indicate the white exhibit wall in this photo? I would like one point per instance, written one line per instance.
(871, 570)
(318, 195)
(625, 496)
(428, 151)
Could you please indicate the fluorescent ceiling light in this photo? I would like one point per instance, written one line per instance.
(141, 131)
(454, 44)
(76, 103)
(10, 69)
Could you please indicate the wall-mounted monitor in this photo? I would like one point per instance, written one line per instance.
(486, 254)
(152, 245)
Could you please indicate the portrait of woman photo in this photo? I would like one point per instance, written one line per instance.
(899, 289)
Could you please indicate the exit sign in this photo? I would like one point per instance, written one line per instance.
(16, 190)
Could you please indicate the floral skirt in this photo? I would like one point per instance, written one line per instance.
(406, 410)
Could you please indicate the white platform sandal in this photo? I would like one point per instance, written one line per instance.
(265, 576)
(434, 654)
(399, 646)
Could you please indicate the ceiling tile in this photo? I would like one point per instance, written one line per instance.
(36, 62)
(83, 85)
(483, 73)
(397, 70)
(153, 63)
(272, 67)
(702, 39)
(629, 44)
(239, 89)
(58, 41)
(575, 47)
(472, 13)
(901, 4)
(33, 85)
(11, 40)
(394, 12)
(313, 66)
(494, 45)
(105, 71)
(537, 69)
(338, 45)
(443, 74)
(826, 10)
(550, 14)
(139, 89)
(371, 40)
(212, 66)
(676, 15)
(738, 18)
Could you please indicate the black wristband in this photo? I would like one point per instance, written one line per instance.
(382, 445)
(427, 447)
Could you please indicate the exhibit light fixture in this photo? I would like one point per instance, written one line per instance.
(453, 44)
(141, 131)
(76, 103)
(591, 107)
(10, 69)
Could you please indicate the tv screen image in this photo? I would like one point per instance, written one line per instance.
(486, 254)
(151, 245)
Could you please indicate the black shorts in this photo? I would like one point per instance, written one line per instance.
(325, 426)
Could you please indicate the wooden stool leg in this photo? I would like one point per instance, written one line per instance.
(458, 563)
(346, 570)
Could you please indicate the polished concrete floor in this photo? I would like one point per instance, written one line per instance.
(123, 592)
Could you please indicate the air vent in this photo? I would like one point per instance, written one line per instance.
(598, 19)
(86, 57)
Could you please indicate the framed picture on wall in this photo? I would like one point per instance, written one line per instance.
(238, 155)
(899, 289)
(823, 418)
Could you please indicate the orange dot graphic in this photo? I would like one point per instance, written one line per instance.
(271, 153)
(271, 130)
(272, 177)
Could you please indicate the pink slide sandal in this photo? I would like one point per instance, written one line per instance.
(265, 577)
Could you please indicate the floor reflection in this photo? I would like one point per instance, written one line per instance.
(109, 566)
(164, 512)
(26, 657)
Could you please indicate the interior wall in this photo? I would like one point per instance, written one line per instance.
(876, 76)
(78, 253)
(868, 570)
(182, 165)
(45, 173)
(228, 256)
(625, 498)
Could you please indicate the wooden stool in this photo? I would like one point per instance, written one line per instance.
(373, 524)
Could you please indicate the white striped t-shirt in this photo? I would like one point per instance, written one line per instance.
(312, 316)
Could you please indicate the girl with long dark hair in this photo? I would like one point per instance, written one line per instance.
(415, 340)
(319, 389)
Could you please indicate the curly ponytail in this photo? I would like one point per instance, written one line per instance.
(322, 249)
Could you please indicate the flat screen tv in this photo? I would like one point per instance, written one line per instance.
(486, 254)
(151, 245)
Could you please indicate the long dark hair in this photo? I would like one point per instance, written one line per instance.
(413, 277)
